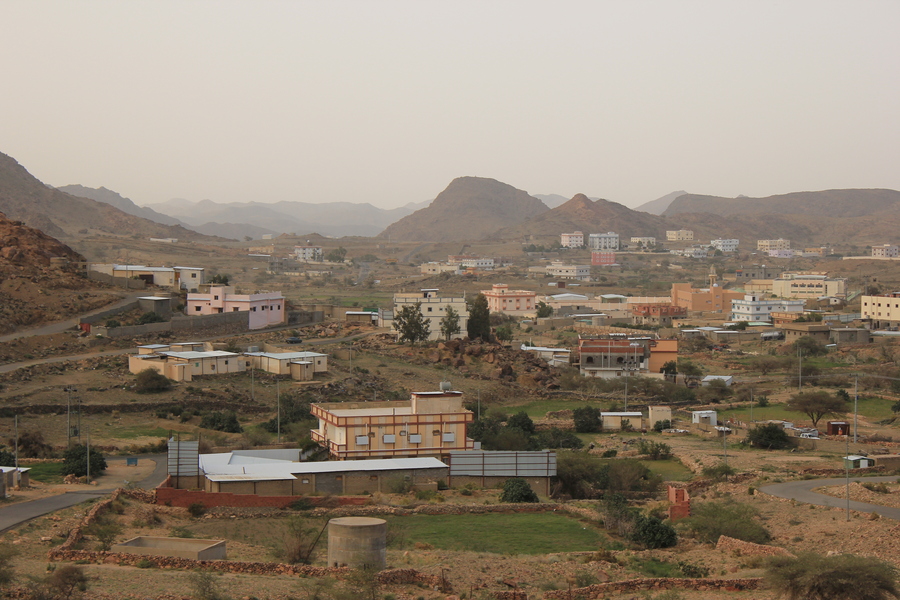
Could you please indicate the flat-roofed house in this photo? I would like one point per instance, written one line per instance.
(279, 363)
(184, 366)
(511, 302)
(428, 424)
(265, 308)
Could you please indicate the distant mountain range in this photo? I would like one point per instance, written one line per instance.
(61, 215)
(659, 206)
(239, 219)
(471, 208)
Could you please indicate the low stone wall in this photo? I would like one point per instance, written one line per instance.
(184, 498)
(841, 472)
(742, 548)
(600, 590)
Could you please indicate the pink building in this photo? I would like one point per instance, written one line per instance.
(600, 258)
(512, 302)
(265, 308)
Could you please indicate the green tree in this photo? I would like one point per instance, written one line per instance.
(413, 327)
(669, 368)
(842, 577)
(7, 458)
(479, 324)
(226, 421)
(220, 279)
(691, 372)
(769, 436)
(816, 404)
(580, 475)
(151, 381)
(555, 438)
(450, 323)
(522, 421)
(336, 255)
(75, 461)
(809, 346)
(544, 310)
(651, 533)
(151, 317)
(504, 333)
(587, 419)
(516, 489)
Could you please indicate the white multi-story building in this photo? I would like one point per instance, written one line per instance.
(769, 245)
(692, 252)
(308, 253)
(467, 261)
(681, 235)
(604, 241)
(434, 307)
(724, 245)
(571, 240)
(436, 268)
(757, 308)
(562, 271)
(886, 251)
(646, 242)
(783, 253)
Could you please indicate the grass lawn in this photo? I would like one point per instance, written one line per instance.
(46, 472)
(500, 533)
(130, 433)
(871, 407)
(539, 408)
(669, 470)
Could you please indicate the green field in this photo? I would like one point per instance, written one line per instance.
(500, 533)
(669, 470)
(870, 407)
(130, 433)
(47, 472)
(539, 408)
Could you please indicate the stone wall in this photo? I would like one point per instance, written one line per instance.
(600, 590)
(172, 497)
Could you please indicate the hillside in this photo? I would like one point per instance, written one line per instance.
(31, 290)
(112, 198)
(471, 208)
(827, 203)
(24, 198)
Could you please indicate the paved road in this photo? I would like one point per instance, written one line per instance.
(68, 324)
(13, 515)
(801, 491)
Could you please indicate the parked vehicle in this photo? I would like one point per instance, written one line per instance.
(294, 340)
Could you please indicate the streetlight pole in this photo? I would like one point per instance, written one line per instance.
(799, 369)
(855, 404)
(278, 401)
(847, 473)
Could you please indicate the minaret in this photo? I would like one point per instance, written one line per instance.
(713, 277)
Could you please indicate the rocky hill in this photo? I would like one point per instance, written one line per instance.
(24, 198)
(826, 203)
(471, 208)
(31, 290)
(659, 206)
(583, 214)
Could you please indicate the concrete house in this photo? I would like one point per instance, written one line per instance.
(429, 424)
(434, 307)
(265, 308)
(571, 240)
(604, 241)
(179, 278)
(184, 366)
(299, 365)
(680, 235)
(520, 303)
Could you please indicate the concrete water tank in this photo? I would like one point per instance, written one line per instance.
(357, 542)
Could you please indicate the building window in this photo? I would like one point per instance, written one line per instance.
(215, 297)
(235, 309)
(226, 362)
(436, 432)
(304, 481)
(193, 275)
(196, 309)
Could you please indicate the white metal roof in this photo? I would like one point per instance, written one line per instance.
(544, 349)
(196, 355)
(154, 346)
(219, 465)
(285, 355)
(154, 298)
(620, 414)
(371, 412)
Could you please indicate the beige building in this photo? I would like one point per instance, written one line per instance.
(769, 245)
(434, 307)
(571, 240)
(560, 270)
(436, 268)
(301, 366)
(681, 235)
(646, 242)
(184, 366)
(883, 311)
(886, 251)
(180, 278)
(429, 424)
(519, 303)
(808, 286)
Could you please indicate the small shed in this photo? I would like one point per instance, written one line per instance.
(837, 428)
(704, 417)
(613, 421)
(659, 413)
(855, 461)
(360, 316)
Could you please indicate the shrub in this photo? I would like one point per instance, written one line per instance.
(75, 462)
(879, 488)
(651, 533)
(221, 421)
(7, 573)
(609, 454)
(710, 520)
(719, 472)
(654, 450)
(516, 489)
(151, 317)
(150, 381)
(112, 323)
(301, 504)
(845, 576)
(660, 425)
(181, 532)
(769, 436)
(144, 564)
(587, 419)
(196, 509)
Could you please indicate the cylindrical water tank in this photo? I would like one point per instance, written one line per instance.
(357, 542)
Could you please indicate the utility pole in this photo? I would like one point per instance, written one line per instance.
(278, 400)
(68, 417)
(799, 369)
(88, 458)
(855, 403)
(252, 395)
(847, 474)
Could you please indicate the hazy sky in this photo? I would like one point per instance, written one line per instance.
(386, 102)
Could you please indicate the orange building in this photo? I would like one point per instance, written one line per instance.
(656, 314)
(511, 302)
(711, 299)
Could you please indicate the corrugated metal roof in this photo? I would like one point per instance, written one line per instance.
(285, 355)
(263, 467)
(196, 355)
